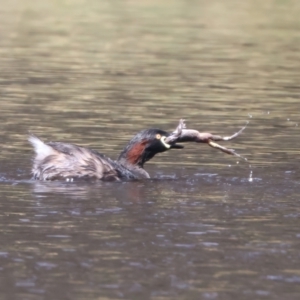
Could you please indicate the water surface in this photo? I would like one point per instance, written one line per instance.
(95, 73)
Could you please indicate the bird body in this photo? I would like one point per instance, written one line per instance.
(64, 161)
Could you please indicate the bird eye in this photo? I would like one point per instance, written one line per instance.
(158, 136)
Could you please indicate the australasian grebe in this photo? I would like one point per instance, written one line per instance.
(63, 161)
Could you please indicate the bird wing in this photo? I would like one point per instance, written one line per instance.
(56, 160)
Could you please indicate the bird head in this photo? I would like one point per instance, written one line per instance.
(145, 145)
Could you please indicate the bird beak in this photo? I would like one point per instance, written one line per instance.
(162, 139)
(170, 146)
(176, 146)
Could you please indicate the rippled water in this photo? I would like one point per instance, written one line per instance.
(96, 72)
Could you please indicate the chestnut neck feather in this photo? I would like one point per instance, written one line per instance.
(135, 153)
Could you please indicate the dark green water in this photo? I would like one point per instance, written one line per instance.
(95, 73)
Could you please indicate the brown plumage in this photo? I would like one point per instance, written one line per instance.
(62, 161)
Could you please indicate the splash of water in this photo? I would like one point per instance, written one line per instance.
(250, 179)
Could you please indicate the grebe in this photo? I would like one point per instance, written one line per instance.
(63, 161)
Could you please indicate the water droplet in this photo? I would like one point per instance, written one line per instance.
(250, 176)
